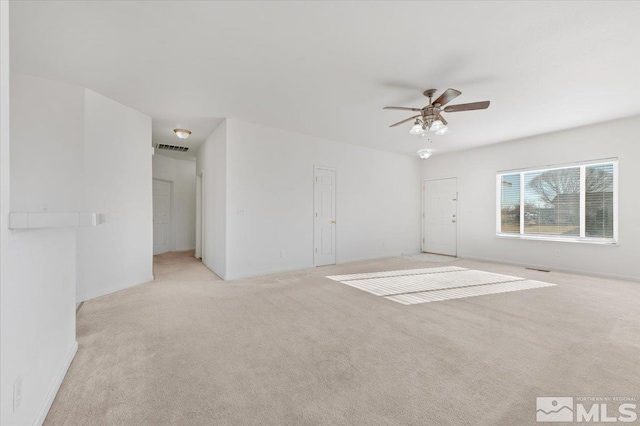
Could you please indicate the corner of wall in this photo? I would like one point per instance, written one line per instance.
(55, 386)
(212, 162)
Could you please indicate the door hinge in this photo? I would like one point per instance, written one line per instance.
(423, 241)
(316, 249)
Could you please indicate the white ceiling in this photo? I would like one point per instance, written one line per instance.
(327, 68)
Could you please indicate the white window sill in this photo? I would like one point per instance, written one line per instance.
(600, 241)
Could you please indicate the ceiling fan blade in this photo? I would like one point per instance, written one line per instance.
(467, 107)
(402, 108)
(404, 121)
(447, 96)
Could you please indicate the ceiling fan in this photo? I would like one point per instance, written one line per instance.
(430, 117)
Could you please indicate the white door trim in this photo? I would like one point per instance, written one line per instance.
(423, 219)
(198, 251)
(202, 216)
(335, 184)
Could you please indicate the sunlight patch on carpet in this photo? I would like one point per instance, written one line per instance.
(426, 285)
(396, 273)
(415, 283)
(464, 292)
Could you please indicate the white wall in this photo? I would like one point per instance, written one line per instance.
(71, 150)
(38, 319)
(269, 175)
(182, 175)
(476, 172)
(38, 273)
(46, 157)
(212, 163)
(117, 182)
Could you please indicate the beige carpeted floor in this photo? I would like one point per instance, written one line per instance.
(299, 349)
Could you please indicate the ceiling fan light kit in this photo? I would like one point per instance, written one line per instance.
(417, 129)
(424, 153)
(429, 118)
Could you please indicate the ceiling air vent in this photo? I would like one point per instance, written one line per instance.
(172, 147)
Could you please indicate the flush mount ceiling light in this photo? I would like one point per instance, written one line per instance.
(430, 118)
(425, 153)
(182, 133)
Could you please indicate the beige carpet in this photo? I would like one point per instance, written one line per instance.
(300, 349)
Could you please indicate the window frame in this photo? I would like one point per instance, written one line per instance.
(572, 239)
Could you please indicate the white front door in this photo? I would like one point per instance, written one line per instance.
(161, 216)
(440, 216)
(325, 217)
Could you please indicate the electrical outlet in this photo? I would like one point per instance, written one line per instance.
(17, 393)
(283, 253)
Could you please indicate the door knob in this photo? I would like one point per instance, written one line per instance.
(333, 222)
(453, 221)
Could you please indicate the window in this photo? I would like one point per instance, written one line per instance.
(569, 203)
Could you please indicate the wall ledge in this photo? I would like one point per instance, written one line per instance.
(39, 220)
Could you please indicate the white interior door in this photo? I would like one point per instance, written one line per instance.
(440, 216)
(325, 217)
(161, 216)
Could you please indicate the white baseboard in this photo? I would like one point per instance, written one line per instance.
(213, 270)
(303, 267)
(364, 259)
(268, 272)
(44, 410)
(110, 290)
(387, 256)
(553, 268)
(184, 249)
